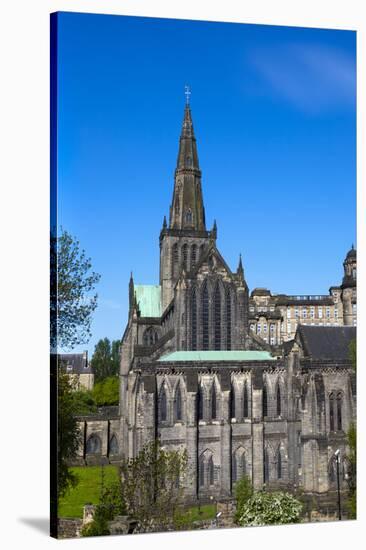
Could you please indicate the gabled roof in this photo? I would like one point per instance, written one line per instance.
(148, 298)
(75, 363)
(239, 355)
(326, 342)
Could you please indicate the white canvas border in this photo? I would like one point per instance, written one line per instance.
(24, 275)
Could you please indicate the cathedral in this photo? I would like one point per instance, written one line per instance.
(254, 384)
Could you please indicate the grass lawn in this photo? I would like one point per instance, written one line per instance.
(207, 511)
(87, 491)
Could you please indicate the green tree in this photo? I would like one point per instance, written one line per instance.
(110, 505)
(243, 492)
(105, 360)
(84, 402)
(152, 486)
(270, 509)
(68, 433)
(72, 297)
(106, 392)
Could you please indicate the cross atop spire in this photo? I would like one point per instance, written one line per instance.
(187, 92)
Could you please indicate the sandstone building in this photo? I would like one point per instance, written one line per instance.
(254, 384)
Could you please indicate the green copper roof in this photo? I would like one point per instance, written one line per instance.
(149, 300)
(218, 356)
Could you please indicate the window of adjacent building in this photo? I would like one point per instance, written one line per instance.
(288, 312)
(273, 340)
(272, 327)
(259, 328)
(312, 312)
(320, 312)
(252, 327)
(336, 312)
(264, 327)
(289, 327)
(304, 313)
(327, 312)
(296, 312)
(354, 308)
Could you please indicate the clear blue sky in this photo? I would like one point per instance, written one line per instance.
(274, 114)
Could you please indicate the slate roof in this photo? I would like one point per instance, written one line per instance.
(326, 342)
(239, 355)
(75, 363)
(149, 300)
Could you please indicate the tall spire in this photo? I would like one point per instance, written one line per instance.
(187, 210)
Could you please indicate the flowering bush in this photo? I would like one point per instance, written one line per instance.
(270, 509)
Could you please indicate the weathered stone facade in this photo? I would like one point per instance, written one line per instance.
(195, 373)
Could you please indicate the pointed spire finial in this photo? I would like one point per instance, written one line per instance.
(164, 223)
(187, 92)
(353, 247)
(240, 266)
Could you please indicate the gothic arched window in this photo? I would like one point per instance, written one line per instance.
(202, 249)
(213, 403)
(113, 445)
(175, 260)
(201, 471)
(189, 216)
(239, 464)
(228, 319)
(163, 405)
(265, 401)
(185, 256)
(245, 401)
(265, 466)
(200, 403)
(339, 411)
(232, 403)
(217, 314)
(178, 404)
(193, 256)
(93, 445)
(331, 412)
(210, 465)
(150, 337)
(279, 465)
(278, 401)
(194, 319)
(205, 342)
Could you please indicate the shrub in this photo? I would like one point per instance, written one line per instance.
(270, 509)
(243, 492)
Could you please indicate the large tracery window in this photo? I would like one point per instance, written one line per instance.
(194, 319)
(265, 466)
(232, 403)
(217, 316)
(279, 465)
(205, 318)
(228, 319)
(200, 403)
